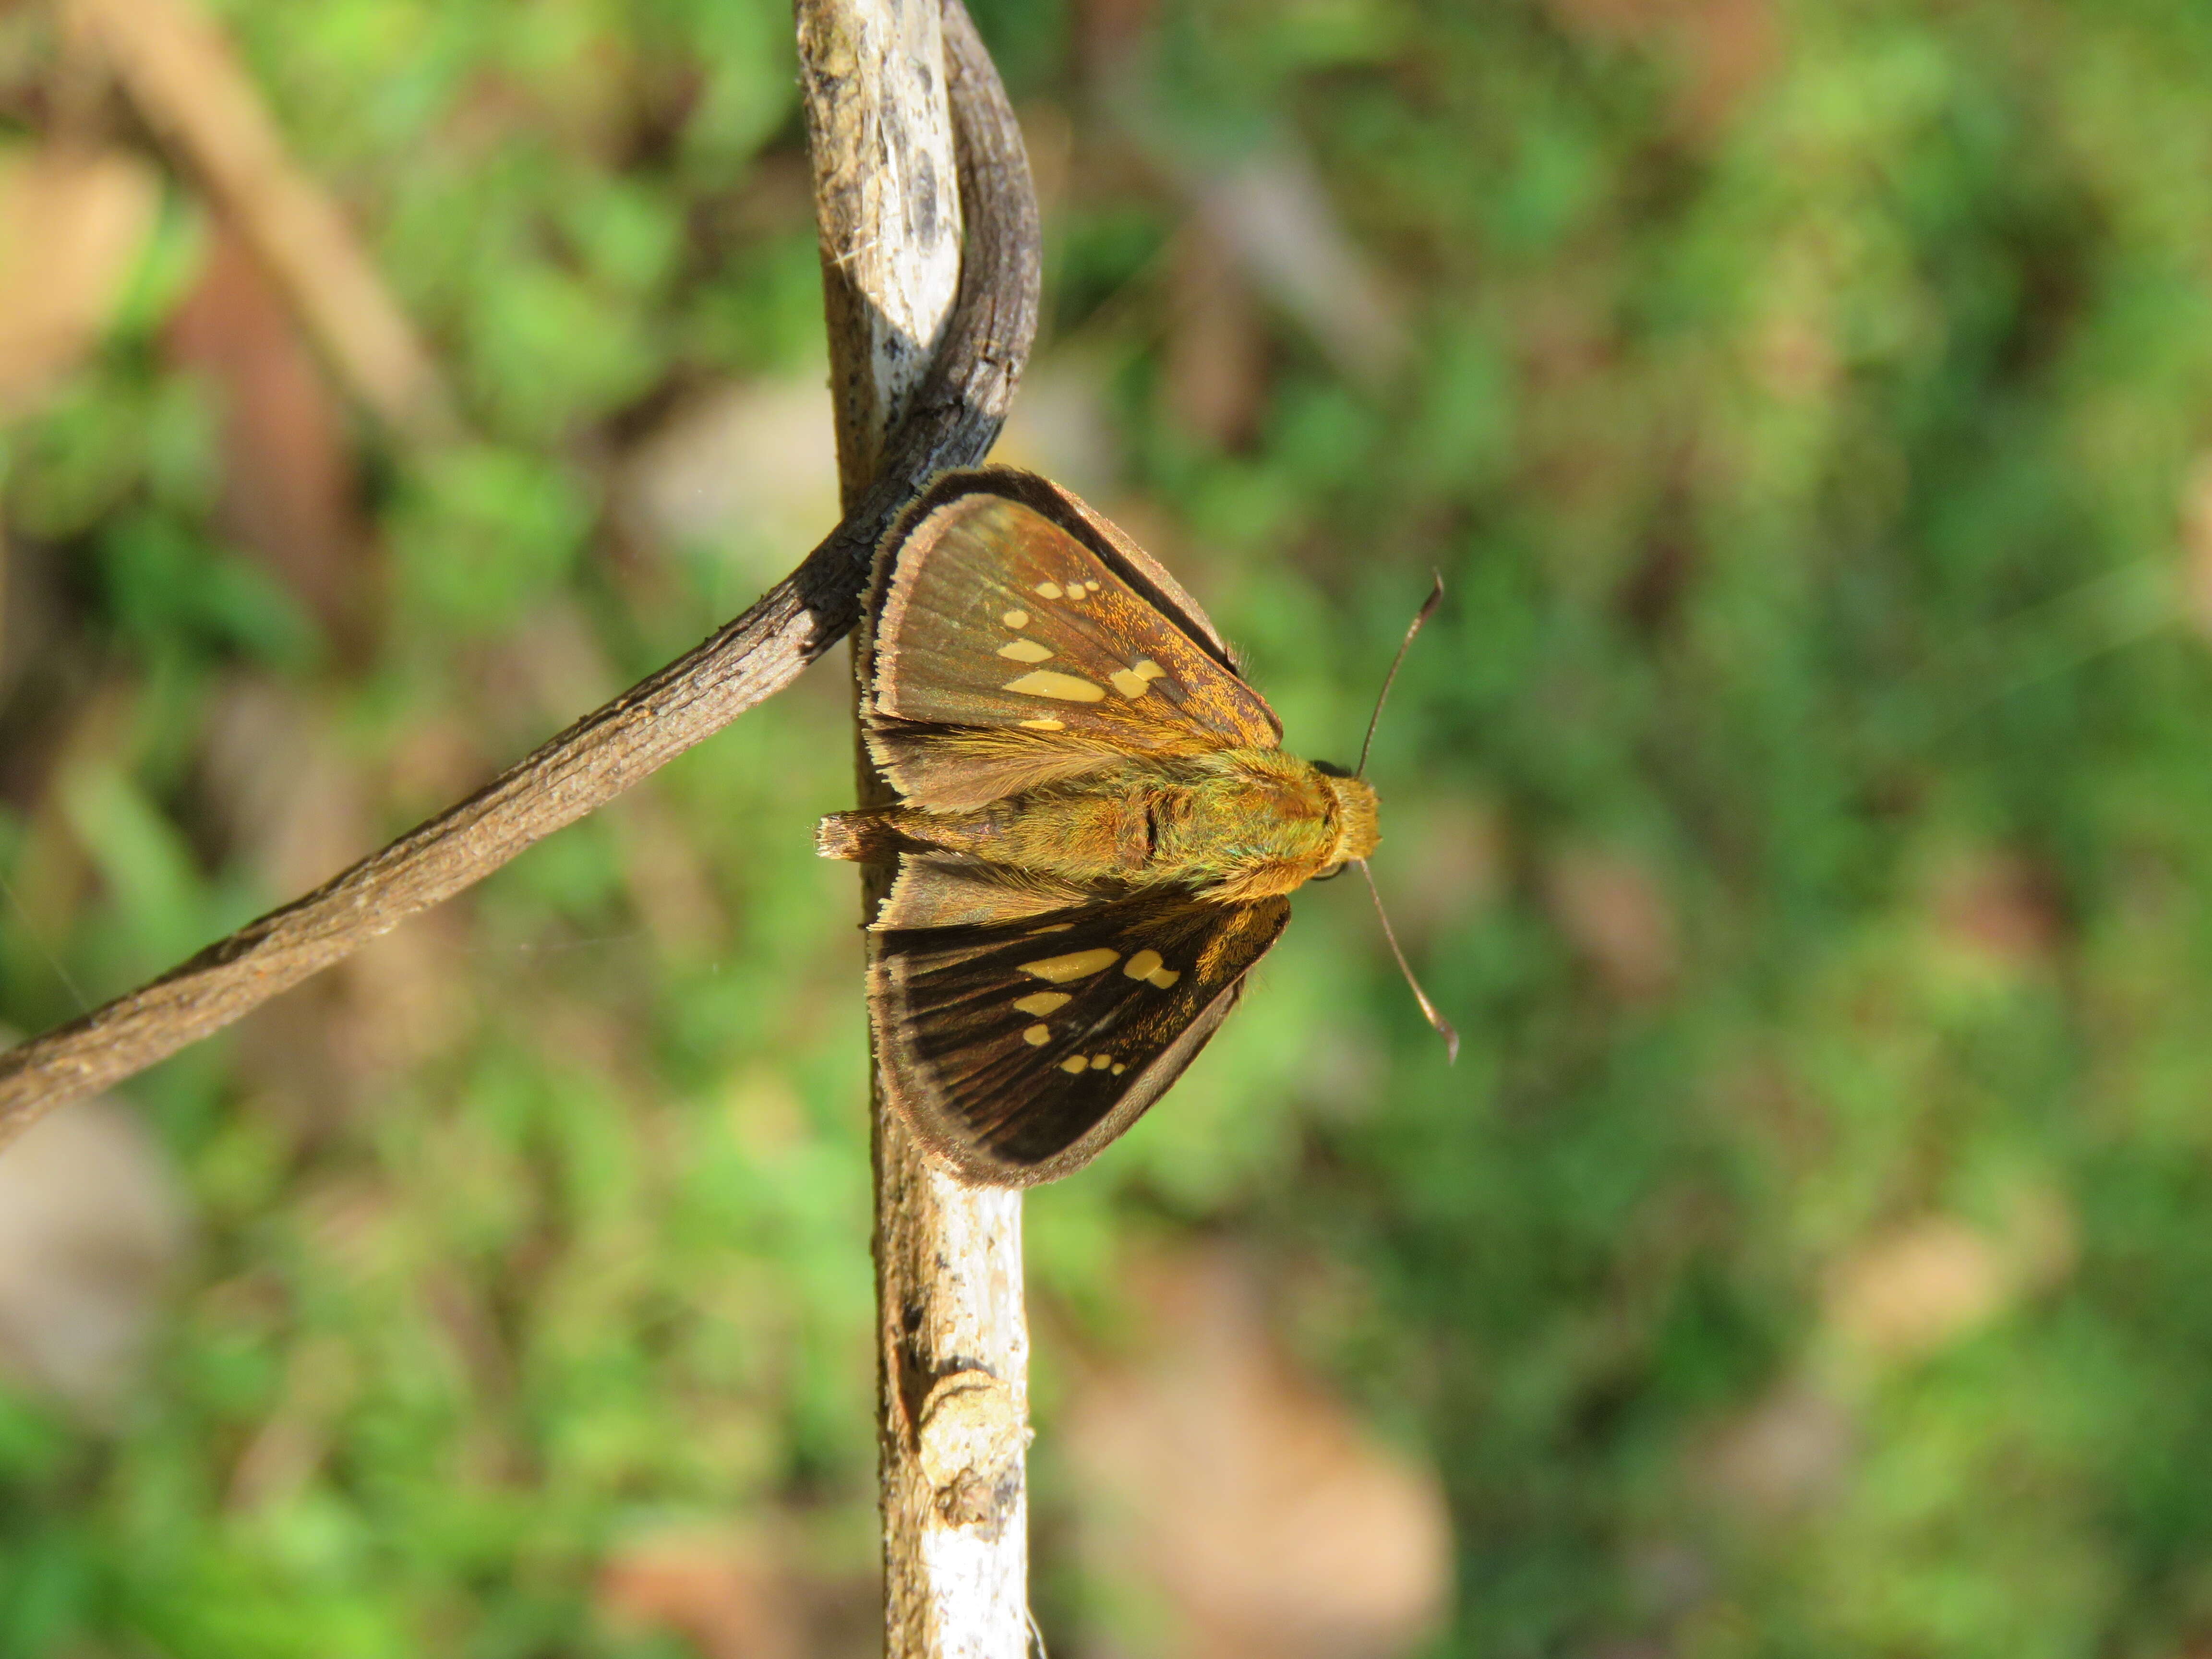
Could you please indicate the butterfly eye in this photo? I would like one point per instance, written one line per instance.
(1332, 872)
(1331, 769)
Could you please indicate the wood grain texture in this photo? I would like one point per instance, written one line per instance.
(879, 135)
(950, 420)
(953, 1339)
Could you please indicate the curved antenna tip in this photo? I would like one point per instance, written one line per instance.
(1428, 610)
(1444, 1027)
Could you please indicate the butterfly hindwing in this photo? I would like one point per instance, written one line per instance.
(1014, 641)
(1018, 1050)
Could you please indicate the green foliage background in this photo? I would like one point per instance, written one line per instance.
(1804, 806)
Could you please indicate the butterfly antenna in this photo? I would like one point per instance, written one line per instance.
(1428, 610)
(1444, 1026)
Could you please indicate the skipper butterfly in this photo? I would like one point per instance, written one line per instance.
(1096, 832)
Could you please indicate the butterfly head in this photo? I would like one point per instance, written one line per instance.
(1359, 830)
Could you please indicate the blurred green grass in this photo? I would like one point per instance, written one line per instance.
(1802, 805)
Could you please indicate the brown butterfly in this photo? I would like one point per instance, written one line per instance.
(1096, 834)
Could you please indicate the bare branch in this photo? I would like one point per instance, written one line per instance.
(953, 1344)
(951, 422)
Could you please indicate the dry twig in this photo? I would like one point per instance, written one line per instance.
(952, 1341)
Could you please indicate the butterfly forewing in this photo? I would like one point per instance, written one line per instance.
(995, 619)
(1018, 1050)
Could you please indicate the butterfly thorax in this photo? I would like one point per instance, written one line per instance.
(1233, 825)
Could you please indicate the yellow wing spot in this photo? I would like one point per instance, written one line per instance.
(1038, 1036)
(1047, 590)
(1129, 683)
(1016, 619)
(1076, 964)
(1045, 683)
(1073, 1064)
(1119, 1068)
(1054, 928)
(1043, 1002)
(1046, 725)
(1151, 670)
(1100, 1063)
(1026, 650)
(1092, 585)
(1148, 966)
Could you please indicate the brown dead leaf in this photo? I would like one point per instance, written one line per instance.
(1249, 1502)
(290, 491)
(73, 224)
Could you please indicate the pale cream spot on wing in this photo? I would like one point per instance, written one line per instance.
(1100, 1063)
(1038, 1036)
(1026, 650)
(1016, 619)
(1043, 1003)
(1046, 725)
(1045, 683)
(1076, 964)
(1092, 585)
(1151, 670)
(1073, 1064)
(1164, 977)
(1119, 1068)
(1129, 683)
(1048, 590)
